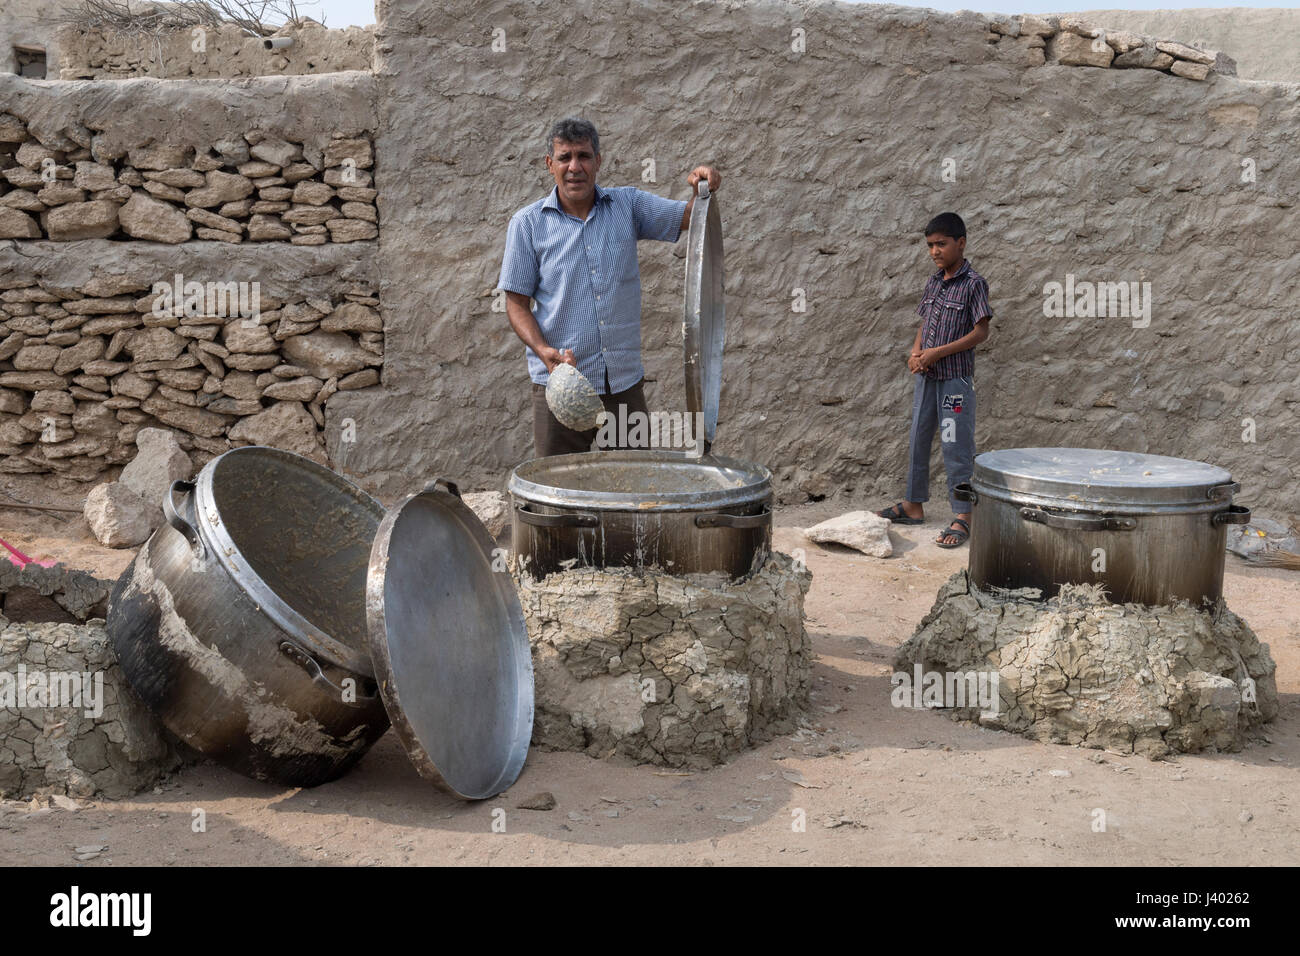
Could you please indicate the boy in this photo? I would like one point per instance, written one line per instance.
(955, 317)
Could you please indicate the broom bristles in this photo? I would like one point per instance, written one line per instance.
(1277, 559)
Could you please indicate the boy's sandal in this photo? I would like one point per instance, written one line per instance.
(896, 514)
(961, 534)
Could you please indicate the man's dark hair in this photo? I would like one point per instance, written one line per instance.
(946, 224)
(573, 131)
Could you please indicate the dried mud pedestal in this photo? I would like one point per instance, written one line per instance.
(58, 595)
(68, 721)
(681, 671)
(1077, 669)
(69, 724)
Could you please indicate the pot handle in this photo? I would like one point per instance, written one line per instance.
(175, 519)
(443, 483)
(1236, 514)
(572, 519)
(1077, 522)
(964, 492)
(1224, 491)
(734, 521)
(309, 664)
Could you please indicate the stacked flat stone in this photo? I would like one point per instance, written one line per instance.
(83, 370)
(1070, 41)
(254, 189)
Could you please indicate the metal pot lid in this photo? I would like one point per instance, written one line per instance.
(640, 480)
(703, 323)
(449, 645)
(1096, 477)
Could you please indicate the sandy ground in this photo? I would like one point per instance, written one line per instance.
(871, 784)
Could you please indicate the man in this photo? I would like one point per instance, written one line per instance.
(955, 318)
(575, 253)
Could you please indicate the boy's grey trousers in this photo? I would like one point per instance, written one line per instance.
(949, 406)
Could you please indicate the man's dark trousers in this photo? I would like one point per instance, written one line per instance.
(552, 438)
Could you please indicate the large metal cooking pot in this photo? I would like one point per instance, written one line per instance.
(641, 508)
(1151, 529)
(242, 625)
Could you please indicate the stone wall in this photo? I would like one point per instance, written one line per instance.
(1264, 41)
(225, 52)
(96, 341)
(1074, 41)
(255, 186)
(839, 130)
(91, 354)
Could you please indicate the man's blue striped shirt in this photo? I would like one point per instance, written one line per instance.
(585, 278)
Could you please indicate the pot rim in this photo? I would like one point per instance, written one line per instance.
(222, 547)
(1102, 480)
(527, 483)
(1022, 499)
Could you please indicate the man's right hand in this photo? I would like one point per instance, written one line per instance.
(554, 357)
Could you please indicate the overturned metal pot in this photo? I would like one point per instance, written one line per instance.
(241, 623)
(1151, 529)
(640, 509)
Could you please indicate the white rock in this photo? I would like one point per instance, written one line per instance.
(159, 461)
(861, 530)
(119, 517)
(285, 425)
(1070, 49)
(1192, 71)
(1184, 52)
(491, 507)
(82, 220)
(326, 354)
(146, 218)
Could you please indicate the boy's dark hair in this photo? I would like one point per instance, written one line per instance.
(946, 224)
(573, 131)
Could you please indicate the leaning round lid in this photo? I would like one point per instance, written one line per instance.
(703, 322)
(449, 645)
(1100, 477)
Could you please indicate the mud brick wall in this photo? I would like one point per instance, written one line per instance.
(839, 131)
(224, 52)
(31, 24)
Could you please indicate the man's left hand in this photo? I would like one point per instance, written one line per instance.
(703, 172)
